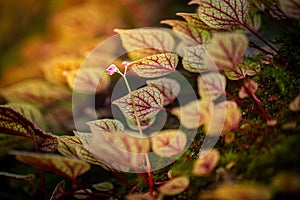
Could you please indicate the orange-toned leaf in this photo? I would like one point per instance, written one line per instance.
(59, 191)
(70, 168)
(222, 14)
(109, 125)
(290, 7)
(227, 49)
(144, 42)
(203, 166)
(175, 186)
(193, 59)
(211, 86)
(88, 80)
(168, 143)
(140, 196)
(155, 65)
(295, 104)
(249, 87)
(194, 20)
(169, 88)
(146, 102)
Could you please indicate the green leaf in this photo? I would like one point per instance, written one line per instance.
(59, 191)
(169, 88)
(222, 14)
(175, 186)
(70, 168)
(109, 125)
(155, 65)
(146, 102)
(14, 123)
(226, 49)
(7, 142)
(168, 143)
(253, 21)
(290, 8)
(193, 59)
(144, 42)
(103, 187)
(193, 20)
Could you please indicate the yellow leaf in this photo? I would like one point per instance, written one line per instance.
(175, 186)
(203, 166)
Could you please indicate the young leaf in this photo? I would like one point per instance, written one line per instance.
(193, 20)
(70, 168)
(193, 114)
(144, 42)
(211, 86)
(109, 125)
(295, 104)
(205, 165)
(222, 14)
(59, 191)
(88, 80)
(146, 102)
(155, 65)
(226, 49)
(169, 88)
(193, 59)
(290, 7)
(168, 143)
(249, 87)
(14, 123)
(175, 186)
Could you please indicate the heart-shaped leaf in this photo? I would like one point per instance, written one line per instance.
(249, 87)
(70, 168)
(155, 65)
(290, 8)
(235, 74)
(226, 49)
(59, 191)
(88, 80)
(168, 143)
(295, 104)
(211, 86)
(203, 166)
(175, 186)
(245, 67)
(193, 20)
(145, 102)
(109, 125)
(144, 42)
(169, 88)
(222, 14)
(193, 59)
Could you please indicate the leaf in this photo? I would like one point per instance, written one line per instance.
(140, 196)
(253, 21)
(175, 186)
(146, 102)
(59, 191)
(119, 150)
(7, 142)
(203, 166)
(168, 143)
(240, 191)
(226, 49)
(144, 42)
(235, 74)
(14, 123)
(211, 86)
(155, 65)
(169, 88)
(109, 125)
(222, 14)
(82, 194)
(291, 8)
(36, 92)
(28, 178)
(193, 20)
(88, 80)
(70, 168)
(144, 124)
(193, 59)
(193, 114)
(103, 187)
(249, 87)
(295, 104)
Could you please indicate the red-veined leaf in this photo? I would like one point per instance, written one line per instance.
(290, 7)
(253, 21)
(193, 59)
(146, 102)
(249, 87)
(168, 143)
(14, 123)
(211, 86)
(155, 65)
(222, 14)
(144, 124)
(36, 92)
(175, 186)
(70, 168)
(28, 178)
(59, 191)
(235, 74)
(88, 80)
(203, 166)
(194, 20)
(226, 49)
(109, 125)
(169, 88)
(295, 104)
(144, 42)
(193, 114)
